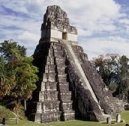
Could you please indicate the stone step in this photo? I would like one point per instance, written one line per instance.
(63, 75)
(60, 59)
(50, 63)
(61, 68)
(50, 116)
(67, 106)
(50, 107)
(48, 86)
(48, 95)
(51, 77)
(59, 54)
(61, 71)
(45, 78)
(64, 88)
(60, 64)
(49, 67)
(68, 115)
(47, 117)
(65, 96)
(50, 71)
(46, 106)
(50, 53)
(62, 80)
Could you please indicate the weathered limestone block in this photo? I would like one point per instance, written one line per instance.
(46, 68)
(52, 69)
(68, 115)
(77, 48)
(61, 59)
(52, 86)
(42, 86)
(57, 47)
(67, 106)
(118, 118)
(51, 116)
(65, 96)
(51, 106)
(62, 75)
(62, 79)
(109, 120)
(50, 62)
(61, 71)
(50, 54)
(48, 86)
(37, 117)
(64, 87)
(52, 77)
(45, 77)
(41, 96)
(50, 58)
(59, 54)
(50, 95)
(60, 64)
(39, 107)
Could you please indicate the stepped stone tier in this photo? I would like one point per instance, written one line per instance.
(69, 86)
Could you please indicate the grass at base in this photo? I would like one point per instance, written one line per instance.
(5, 113)
(23, 123)
(125, 116)
(67, 123)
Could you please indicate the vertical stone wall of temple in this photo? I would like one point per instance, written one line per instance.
(69, 86)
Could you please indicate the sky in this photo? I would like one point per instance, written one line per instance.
(103, 25)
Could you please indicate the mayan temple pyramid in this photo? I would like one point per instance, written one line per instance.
(69, 86)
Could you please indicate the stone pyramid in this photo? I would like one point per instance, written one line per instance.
(69, 86)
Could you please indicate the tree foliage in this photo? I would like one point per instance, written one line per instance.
(115, 73)
(17, 73)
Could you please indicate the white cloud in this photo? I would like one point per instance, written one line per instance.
(113, 45)
(95, 19)
(124, 21)
(29, 36)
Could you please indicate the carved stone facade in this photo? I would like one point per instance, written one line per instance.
(56, 26)
(69, 86)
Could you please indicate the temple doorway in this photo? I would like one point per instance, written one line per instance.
(64, 35)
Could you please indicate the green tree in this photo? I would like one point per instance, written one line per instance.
(7, 78)
(115, 73)
(107, 68)
(18, 75)
(25, 79)
(124, 76)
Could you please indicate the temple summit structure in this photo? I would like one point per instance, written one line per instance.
(69, 86)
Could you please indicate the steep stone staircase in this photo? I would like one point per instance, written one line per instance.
(65, 96)
(54, 97)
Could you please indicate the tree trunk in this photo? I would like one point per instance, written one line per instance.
(17, 104)
(25, 107)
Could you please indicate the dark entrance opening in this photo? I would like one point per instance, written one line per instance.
(64, 35)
